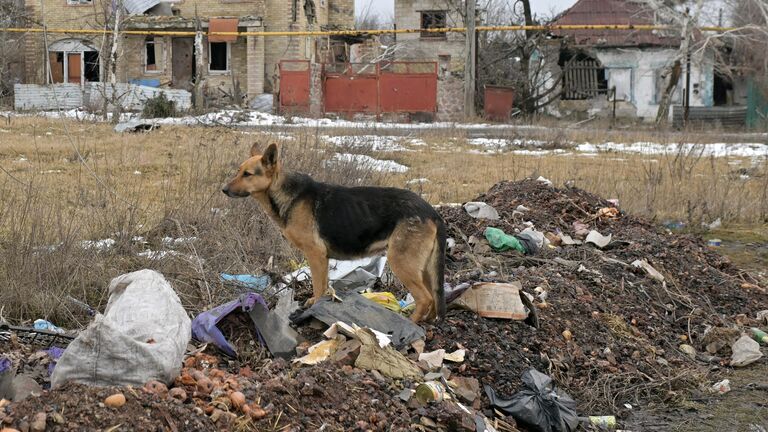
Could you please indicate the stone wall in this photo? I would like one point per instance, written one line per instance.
(450, 99)
(413, 46)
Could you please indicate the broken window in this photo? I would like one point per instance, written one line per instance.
(310, 12)
(153, 55)
(91, 61)
(57, 66)
(79, 2)
(583, 77)
(218, 56)
(433, 20)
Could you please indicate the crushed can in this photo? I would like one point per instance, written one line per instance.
(715, 243)
(759, 335)
(603, 422)
(431, 391)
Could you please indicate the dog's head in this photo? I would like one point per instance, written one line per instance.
(256, 174)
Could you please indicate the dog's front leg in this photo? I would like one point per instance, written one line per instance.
(318, 264)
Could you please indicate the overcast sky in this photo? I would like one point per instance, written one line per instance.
(540, 7)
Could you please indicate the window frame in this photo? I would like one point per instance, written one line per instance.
(433, 35)
(159, 62)
(228, 59)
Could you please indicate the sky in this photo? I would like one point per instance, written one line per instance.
(540, 7)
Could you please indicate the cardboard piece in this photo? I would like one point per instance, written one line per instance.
(495, 300)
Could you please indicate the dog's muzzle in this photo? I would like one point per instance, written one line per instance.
(231, 194)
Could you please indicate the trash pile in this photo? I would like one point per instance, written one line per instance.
(564, 312)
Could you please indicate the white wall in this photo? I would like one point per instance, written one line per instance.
(639, 66)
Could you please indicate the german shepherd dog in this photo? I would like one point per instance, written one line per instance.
(329, 221)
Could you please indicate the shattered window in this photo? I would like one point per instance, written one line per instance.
(433, 20)
(91, 61)
(218, 58)
(153, 54)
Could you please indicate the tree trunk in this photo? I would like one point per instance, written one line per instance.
(113, 55)
(198, 88)
(528, 106)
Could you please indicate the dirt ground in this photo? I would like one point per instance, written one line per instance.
(609, 334)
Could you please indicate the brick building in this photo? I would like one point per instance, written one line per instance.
(233, 65)
(447, 49)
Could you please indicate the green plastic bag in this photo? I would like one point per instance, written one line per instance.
(501, 241)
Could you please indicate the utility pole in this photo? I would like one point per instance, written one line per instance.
(471, 59)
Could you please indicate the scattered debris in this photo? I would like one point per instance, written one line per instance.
(204, 326)
(495, 300)
(722, 387)
(652, 272)
(501, 241)
(598, 239)
(356, 309)
(541, 407)
(253, 282)
(745, 352)
(481, 210)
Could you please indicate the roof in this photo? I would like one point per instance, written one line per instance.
(621, 12)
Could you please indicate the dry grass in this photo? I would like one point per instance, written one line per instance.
(63, 182)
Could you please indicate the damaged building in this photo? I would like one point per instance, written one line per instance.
(636, 63)
(234, 67)
(447, 49)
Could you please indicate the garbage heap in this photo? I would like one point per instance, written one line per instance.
(644, 317)
(552, 292)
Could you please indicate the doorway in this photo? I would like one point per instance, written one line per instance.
(183, 63)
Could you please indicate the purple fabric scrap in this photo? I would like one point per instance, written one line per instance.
(204, 325)
(5, 365)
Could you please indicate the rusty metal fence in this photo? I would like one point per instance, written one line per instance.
(386, 87)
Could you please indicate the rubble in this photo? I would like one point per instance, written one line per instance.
(614, 325)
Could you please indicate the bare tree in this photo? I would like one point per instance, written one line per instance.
(12, 14)
(517, 58)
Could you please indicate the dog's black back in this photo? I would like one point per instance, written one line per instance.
(350, 219)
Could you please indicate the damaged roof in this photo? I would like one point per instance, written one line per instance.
(617, 12)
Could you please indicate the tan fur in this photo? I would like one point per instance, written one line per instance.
(409, 252)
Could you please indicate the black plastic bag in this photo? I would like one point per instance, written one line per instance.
(540, 407)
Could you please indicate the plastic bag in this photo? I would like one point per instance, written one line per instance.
(745, 352)
(501, 241)
(540, 407)
(142, 336)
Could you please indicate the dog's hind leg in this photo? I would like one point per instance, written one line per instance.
(318, 264)
(408, 253)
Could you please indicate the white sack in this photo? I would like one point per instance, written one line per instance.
(142, 336)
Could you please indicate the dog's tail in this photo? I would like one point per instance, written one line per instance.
(435, 272)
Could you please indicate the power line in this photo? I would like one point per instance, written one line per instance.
(610, 27)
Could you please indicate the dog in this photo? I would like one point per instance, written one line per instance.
(329, 221)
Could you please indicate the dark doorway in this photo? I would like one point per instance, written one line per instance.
(722, 91)
(183, 63)
(91, 60)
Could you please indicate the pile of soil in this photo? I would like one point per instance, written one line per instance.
(609, 334)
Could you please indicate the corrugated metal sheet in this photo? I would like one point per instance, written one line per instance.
(47, 97)
(68, 96)
(137, 7)
(618, 12)
(723, 116)
(132, 96)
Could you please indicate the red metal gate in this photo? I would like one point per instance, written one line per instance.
(391, 87)
(294, 96)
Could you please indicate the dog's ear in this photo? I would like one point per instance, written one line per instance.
(255, 149)
(269, 158)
